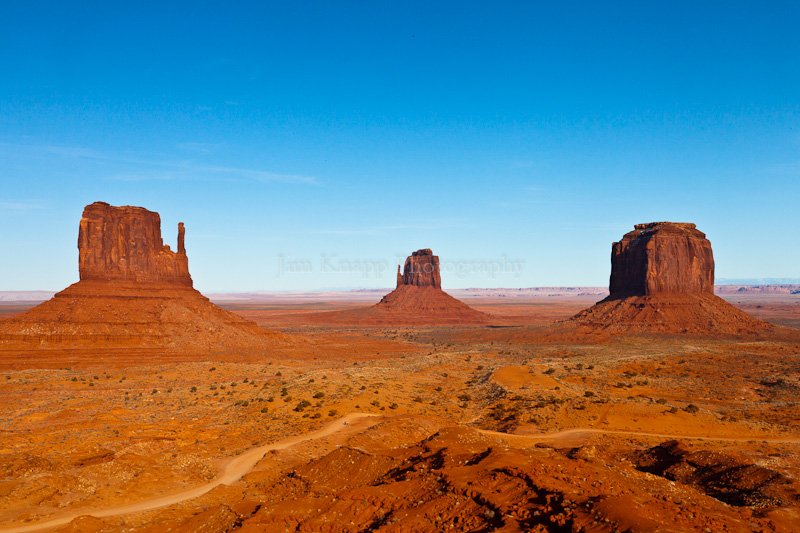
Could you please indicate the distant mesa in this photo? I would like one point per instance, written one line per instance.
(662, 281)
(417, 300)
(134, 292)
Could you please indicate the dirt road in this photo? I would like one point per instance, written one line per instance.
(232, 471)
(242, 464)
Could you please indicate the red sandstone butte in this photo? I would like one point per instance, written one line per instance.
(662, 257)
(421, 270)
(662, 281)
(134, 292)
(124, 243)
(417, 300)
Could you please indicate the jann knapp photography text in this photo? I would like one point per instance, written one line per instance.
(378, 269)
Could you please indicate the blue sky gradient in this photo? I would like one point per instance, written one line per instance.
(535, 133)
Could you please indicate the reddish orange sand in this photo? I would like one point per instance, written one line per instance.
(500, 427)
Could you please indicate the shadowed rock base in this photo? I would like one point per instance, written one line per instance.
(113, 314)
(671, 313)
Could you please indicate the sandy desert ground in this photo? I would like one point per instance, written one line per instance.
(463, 428)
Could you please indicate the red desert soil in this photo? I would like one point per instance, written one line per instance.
(570, 416)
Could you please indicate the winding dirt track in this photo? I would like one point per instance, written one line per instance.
(232, 471)
(585, 431)
(242, 464)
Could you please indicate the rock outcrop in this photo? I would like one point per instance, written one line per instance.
(662, 257)
(662, 281)
(134, 293)
(417, 300)
(422, 270)
(124, 243)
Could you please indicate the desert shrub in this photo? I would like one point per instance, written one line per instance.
(499, 412)
(479, 367)
(245, 403)
(661, 400)
(590, 367)
(155, 391)
(271, 399)
(316, 415)
(333, 412)
(73, 379)
(438, 389)
(287, 399)
(264, 410)
(550, 371)
(465, 397)
(588, 394)
(244, 380)
(212, 369)
(319, 395)
(417, 399)
(193, 389)
(691, 408)
(393, 406)
(278, 373)
(302, 405)
(284, 392)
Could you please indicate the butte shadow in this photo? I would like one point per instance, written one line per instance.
(134, 294)
(418, 300)
(662, 281)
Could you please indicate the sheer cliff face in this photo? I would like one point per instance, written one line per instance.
(662, 258)
(421, 270)
(124, 243)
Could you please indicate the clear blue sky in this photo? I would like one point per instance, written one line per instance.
(361, 131)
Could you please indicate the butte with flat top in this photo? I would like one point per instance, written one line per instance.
(662, 281)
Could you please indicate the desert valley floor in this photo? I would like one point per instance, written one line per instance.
(500, 427)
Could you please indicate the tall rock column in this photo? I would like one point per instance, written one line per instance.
(422, 270)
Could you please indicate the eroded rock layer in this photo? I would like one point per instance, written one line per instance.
(422, 270)
(124, 243)
(662, 257)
